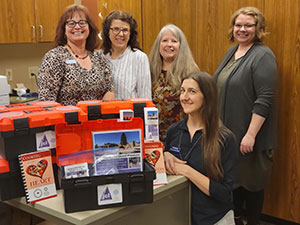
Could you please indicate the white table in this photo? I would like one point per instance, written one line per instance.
(170, 205)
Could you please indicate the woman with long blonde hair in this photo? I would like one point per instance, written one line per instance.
(170, 60)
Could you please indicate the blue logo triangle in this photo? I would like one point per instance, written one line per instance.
(106, 195)
(44, 142)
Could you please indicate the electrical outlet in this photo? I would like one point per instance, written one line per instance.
(9, 74)
(32, 71)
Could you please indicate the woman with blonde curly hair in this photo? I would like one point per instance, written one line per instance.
(170, 61)
(246, 79)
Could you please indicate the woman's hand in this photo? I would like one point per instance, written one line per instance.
(247, 144)
(201, 181)
(181, 168)
(170, 161)
(108, 96)
(248, 140)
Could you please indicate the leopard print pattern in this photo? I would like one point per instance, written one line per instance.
(63, 80)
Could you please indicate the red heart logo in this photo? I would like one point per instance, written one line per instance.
(153, 157)
(38, 169)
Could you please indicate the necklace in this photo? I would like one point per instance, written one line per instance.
(77, 56)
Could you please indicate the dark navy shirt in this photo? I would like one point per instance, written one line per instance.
(205, 209)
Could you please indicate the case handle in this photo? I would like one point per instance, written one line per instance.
(82, 182)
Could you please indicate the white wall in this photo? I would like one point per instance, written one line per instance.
(19, 57)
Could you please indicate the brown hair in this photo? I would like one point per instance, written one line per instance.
(92, 41)
(214, 130)
(125, 17)
(260, 28)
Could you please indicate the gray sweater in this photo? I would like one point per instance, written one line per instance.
(250, 88)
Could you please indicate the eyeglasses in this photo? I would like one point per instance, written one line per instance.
(246, 26)
(72, 23)
(117, 30)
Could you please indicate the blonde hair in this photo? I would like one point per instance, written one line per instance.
(183, 64)
(260, 28)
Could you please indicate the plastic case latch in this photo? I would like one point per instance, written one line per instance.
(136, 183)
(138, 109)
(71, 117)
(109, 179)
(94, 112)
(21, 126)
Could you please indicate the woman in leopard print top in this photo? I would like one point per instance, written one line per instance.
(74, 71)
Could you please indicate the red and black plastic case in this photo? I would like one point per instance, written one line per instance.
(81, 193)
(18, 131)
(99, 109)
(28, 106)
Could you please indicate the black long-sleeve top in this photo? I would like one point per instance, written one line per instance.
(205, 209)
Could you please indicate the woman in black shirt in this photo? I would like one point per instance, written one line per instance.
(203, 150)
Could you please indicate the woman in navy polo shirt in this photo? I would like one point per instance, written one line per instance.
(203, 150)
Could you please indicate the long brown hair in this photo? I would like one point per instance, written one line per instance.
(125, 17)
(214, 130)
(92, 41)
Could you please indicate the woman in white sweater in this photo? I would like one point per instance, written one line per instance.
(129, 64)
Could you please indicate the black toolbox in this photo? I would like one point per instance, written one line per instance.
(98, 192)
(11, 184)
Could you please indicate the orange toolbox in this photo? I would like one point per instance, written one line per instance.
(99, 109)
(72, 138)
(27, 131)
(19, 129)
(96, 191)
